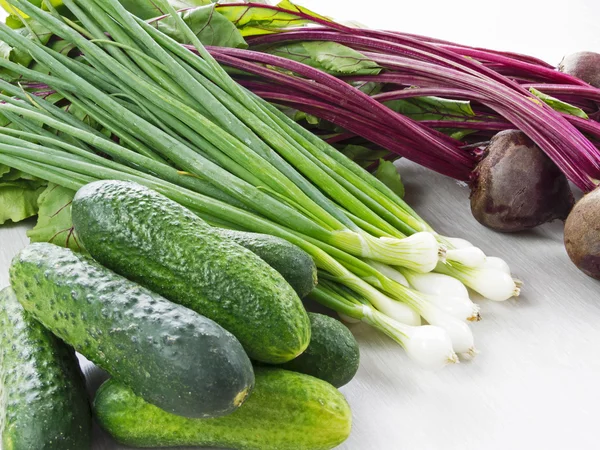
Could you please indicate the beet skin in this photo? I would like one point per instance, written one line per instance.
(517, 186)
(583, 65)
(582, 234)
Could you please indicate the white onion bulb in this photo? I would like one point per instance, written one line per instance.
(468, 257)
(421, 250)
(430, 347)
(493, 284)
(459, 332)
(493, 262)
(399, 311)
(458, 242)
(458, 307)
(436, 284)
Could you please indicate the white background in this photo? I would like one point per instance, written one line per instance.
(535, 384)
(548, 29)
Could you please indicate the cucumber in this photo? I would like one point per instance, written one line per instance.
(286, 411)
(293, 263)
(332, 354)
(43, 401)
(174, 358)
(158, 243)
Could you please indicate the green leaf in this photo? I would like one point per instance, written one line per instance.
(308, 121)
(148, 9)
(330, 57)
(8, 174)
(288, 5)
(18, 200)
(559, 105)
(210, 27)
(255, 20)
(3, 169)
(63, 47)
(54, 218)
(15, 175)
(14, 21)
(299, 116)
(363, 156)
(388, 175)
(35, 32)
(18, 194)
(432, 108)
(457, 133)
(436, 108)
(369, 87)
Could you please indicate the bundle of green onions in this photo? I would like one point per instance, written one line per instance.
(180, 125)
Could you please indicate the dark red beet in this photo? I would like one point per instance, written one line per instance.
(582, 234)
(583, 65)
(516, 186)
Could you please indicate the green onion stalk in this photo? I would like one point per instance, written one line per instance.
(187, 130)
(233, 162)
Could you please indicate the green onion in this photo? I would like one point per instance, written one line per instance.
(187, 130)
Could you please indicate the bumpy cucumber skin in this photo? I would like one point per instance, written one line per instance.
(43, 401)
(169, 355)
(286, 411)
(293, 263)
(158, 243)
(332, 354)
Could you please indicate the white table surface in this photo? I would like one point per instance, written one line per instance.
(535, 383)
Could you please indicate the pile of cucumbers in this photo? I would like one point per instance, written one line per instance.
(202, 331)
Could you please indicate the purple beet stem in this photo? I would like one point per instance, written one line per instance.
(433, 63)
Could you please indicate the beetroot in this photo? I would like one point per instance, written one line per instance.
(583, 65)
(582, 234)
(517, 186)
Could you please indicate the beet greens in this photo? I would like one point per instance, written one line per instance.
(498, 85)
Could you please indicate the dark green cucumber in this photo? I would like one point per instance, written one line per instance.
(171, 356)
(332, 354)
(43, 401)
(293, 263)
(286, 411)
(150, 239)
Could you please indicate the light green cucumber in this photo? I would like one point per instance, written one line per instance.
(158, 243)
(286, 411)
(168, 354)
(43, 401)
